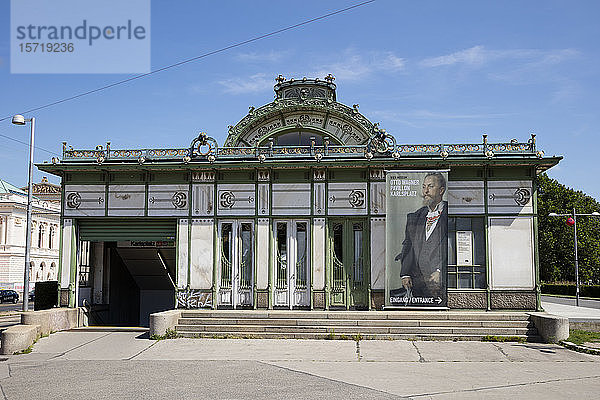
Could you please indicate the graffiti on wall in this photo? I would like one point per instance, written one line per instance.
(193, 299)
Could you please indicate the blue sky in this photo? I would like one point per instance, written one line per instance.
(428, 71)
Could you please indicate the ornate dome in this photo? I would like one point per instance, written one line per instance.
(302, 109)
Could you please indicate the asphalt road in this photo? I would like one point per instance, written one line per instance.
(571, 301)
(9, 314)
(9, 320)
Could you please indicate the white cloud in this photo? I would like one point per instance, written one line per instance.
(517, 67)
(391, 62)
(253, 84)
(355, 66)
(567, 90)
(351, 66)
(479, 55)
(475, 55)
(542, 68)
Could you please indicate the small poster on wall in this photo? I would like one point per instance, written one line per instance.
(464, 247)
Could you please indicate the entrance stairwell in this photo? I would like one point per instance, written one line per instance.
(412, 325)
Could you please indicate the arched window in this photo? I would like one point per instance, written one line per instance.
(40, 273)
(52, 272)
(298, 139)
(41, 236)
(33, 230)
(31, 267)
(51, 237)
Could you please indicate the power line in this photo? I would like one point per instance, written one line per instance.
(210, 53)
(27, 144)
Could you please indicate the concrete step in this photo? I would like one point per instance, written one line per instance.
(360, 322)
(350, 330)
(325, 336)
(358, 315)
(422, 325)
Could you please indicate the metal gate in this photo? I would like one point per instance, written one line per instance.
(123, 229)
(236, 263)
(292, 263)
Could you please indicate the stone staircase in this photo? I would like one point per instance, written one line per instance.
(412, 325)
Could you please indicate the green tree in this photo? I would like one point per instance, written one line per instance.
(556, 237)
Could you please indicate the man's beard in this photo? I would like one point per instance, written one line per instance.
(430, 201)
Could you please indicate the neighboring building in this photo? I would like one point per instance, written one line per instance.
(289, 213)
(44, 238)
(45, 191)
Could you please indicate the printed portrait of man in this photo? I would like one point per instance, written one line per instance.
(424, 255)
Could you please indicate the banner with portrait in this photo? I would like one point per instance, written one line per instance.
(416, 239)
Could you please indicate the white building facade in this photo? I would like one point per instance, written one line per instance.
(45, 234)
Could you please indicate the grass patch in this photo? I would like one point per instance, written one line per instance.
(169, 334)
(336, 336)
(30, 348)
(580, 337)
(225, 336)
(493, 338)
(25, 351)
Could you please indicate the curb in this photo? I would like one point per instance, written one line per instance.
(579, 348)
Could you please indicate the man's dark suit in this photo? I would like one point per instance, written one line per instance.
(421, 257)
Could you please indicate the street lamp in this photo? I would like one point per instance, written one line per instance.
(20, 120)
(572, 221)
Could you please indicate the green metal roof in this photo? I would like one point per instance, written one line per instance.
(6, 187)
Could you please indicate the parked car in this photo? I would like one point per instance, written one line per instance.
(32, 295)
(9, 296)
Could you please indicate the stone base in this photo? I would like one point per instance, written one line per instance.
(55, 319)
(551, 328)
(513, 300)
(467, 300)
(262, 299)
(377, 299)
(64, 297)
(162, 321)
(318, 300)
(19, 337)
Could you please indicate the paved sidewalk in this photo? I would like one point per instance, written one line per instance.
(574, 313)
(583, 301)
(127, 365)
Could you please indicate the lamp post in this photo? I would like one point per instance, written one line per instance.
(20, 120)
(572, 221)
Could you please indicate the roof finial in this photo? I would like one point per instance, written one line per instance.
(280, 78)
(330, 78)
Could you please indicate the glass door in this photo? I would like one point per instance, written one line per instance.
(292, 264)
(349, 279)
(236, 263)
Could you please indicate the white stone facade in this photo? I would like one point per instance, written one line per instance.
(45, 240)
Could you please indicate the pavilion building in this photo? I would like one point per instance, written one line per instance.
(289, 212)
